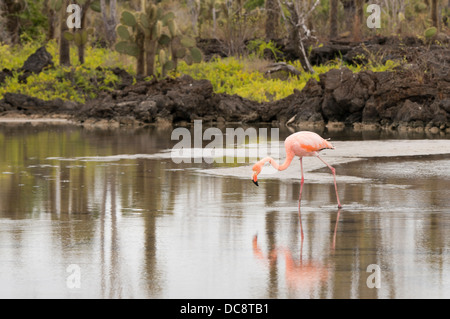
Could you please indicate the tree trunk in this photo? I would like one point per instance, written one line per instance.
(350, 11)
(64, 45)
(273, 16)
(434, 13)
(360, 11)
(358, 20)
(150, 58)
(81, 47)
(446, 17)
(140, 41)
(12, 9)
(333, 19)
(305, 63)
(297, 32)
(51, 18)
(215, 21)
(195, 11)
(110, 22)
(309, 21)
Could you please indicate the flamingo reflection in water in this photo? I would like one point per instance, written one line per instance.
(298, 273)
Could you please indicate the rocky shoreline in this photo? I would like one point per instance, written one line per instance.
(406, 99)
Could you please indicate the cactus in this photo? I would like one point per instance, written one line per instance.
(152, 35)
(80, 38)
(56, 5)
(128, 19)
(430, 33)
(196, 55)
(188, 42)
(123, 33)
(209, 12)
(128, 48)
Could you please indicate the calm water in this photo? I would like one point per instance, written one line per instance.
(76, 221)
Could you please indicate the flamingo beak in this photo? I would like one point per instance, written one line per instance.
(255, 179)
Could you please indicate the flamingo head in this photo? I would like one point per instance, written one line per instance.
(329, 145)
(256, 170)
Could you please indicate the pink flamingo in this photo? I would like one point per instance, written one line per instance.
(299, 144)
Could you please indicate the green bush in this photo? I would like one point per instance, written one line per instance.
(245, 76)
(77, 83)
(231, 76)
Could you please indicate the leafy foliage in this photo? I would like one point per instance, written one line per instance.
(233, 23)
(258, 46)
(231, 76)
(76, 83)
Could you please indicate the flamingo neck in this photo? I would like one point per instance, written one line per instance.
(287, 162)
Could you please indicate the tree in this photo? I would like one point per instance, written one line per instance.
(334, 19)
(273, 17)
(237, 25)
(358, 19)
(109, 22)
(394, 11)
(349, 14)
(83, 33)
(434, 13)
(447, 15)
(3, 33)
(12, 9)
(300, 11)
(194, 8)
(152, 36)
(52, 19)
(64, 45)
(80, 34)
(208, 14)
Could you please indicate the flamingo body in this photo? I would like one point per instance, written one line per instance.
(305, 144)
(299, 144)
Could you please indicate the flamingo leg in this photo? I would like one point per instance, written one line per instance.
(300, 199)
(333, 170)
(333, 246)
(301, 182)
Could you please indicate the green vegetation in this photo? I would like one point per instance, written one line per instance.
(157, 39)
(152, 35)
(76, 83)
(241, 77)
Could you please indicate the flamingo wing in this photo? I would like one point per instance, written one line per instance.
(306, 143)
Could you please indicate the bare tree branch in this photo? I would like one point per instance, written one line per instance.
(110, 22)
(300, 11)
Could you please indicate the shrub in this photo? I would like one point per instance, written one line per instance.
(233, 76)
(76, 83)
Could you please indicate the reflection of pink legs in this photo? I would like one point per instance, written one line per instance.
(301, 230)
(300, 198)
(333, 246)
(334, 177)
